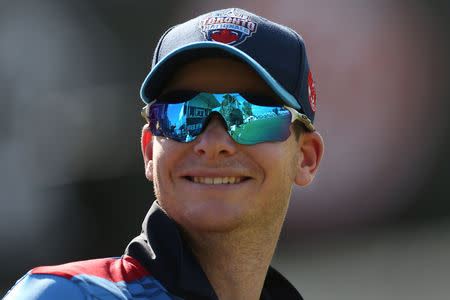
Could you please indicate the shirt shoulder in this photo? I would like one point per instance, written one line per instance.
(32, 287)
(121, 278)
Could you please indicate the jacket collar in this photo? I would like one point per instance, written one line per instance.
(162, 251)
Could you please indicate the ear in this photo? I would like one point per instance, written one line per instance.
(147, 151)
(311, 150)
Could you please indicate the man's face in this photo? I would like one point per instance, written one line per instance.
(263, 174)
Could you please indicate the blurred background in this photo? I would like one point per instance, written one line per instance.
(374, 224)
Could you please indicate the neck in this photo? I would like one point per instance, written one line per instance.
(236, 262)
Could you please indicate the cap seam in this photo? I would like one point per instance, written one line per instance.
(159, 45)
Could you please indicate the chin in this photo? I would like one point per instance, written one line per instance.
(211, 215)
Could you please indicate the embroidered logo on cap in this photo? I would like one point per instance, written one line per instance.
(312, 92)
(228, 27)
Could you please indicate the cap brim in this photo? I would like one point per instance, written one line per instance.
(163, 69)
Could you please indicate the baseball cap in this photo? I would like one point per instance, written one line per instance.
(276, 52)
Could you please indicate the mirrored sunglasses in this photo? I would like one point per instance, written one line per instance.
(182, 116)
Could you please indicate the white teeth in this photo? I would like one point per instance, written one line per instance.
(217, 180)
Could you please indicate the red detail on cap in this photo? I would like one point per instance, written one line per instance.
(114, 269)
(224, 36)
(312, 92)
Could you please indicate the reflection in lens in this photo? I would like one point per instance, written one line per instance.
(247, 123)
(265, 124)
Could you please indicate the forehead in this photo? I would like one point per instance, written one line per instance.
(217, 75)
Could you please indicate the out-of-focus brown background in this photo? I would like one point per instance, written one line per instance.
(373, 225)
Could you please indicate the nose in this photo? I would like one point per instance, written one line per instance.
(214, 141)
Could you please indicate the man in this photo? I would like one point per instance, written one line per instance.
(222, 185)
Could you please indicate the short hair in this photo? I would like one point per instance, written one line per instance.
(299, 128)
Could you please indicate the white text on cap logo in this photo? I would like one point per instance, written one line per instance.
(228, 27)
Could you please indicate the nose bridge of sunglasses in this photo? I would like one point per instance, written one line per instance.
(214, 115)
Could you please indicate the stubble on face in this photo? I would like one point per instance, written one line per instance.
(270, 166)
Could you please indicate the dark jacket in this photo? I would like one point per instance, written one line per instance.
(157, 265)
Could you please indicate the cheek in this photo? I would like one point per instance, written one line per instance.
(280, 164)
(168, 155)
(280, 167)
(162, 164)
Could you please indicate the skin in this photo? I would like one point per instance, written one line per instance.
(233, 228)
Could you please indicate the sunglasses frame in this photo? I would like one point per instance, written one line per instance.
(295, 115)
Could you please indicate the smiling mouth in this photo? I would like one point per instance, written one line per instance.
(217, 180)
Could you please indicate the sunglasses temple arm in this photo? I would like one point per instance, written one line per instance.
(302, 118)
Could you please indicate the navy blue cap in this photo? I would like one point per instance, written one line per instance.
(276, 52)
